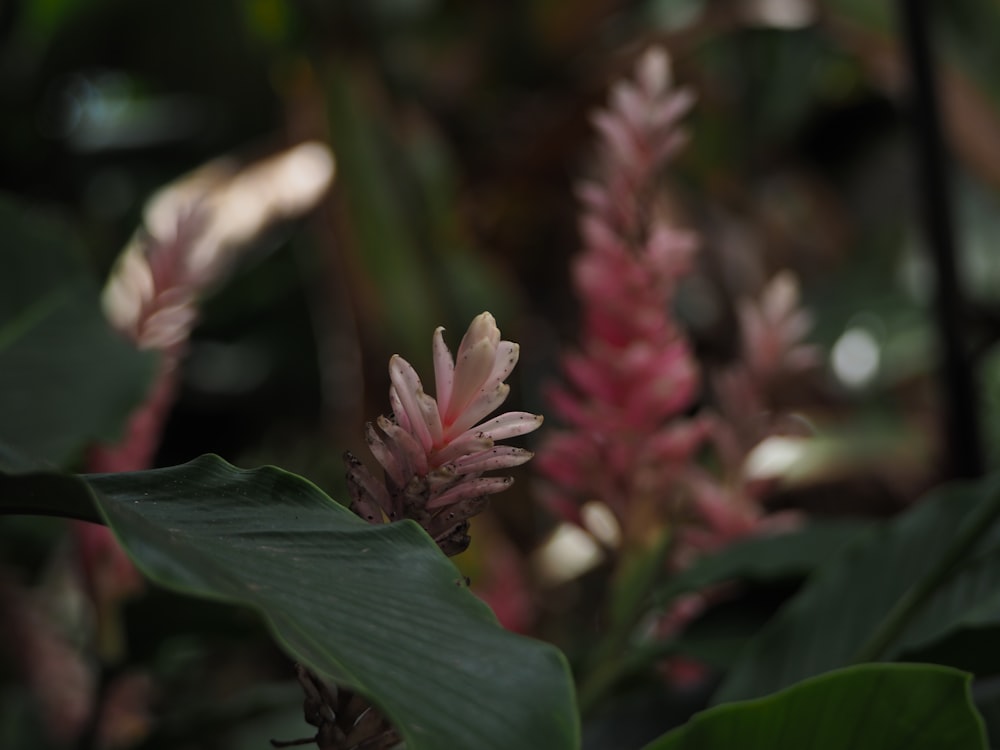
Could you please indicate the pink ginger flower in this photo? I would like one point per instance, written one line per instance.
(772, 328)
(194, 232)
(150, 300)
(635, 377)
(434, 451)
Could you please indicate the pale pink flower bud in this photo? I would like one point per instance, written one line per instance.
(433, 454)
(773, 327)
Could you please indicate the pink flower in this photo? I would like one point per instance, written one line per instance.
(772, 328)
(190, 242)
(632, 384)
(433, 453)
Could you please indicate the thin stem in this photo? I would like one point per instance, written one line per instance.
(962, 428)
(630, 596)
(906, 607)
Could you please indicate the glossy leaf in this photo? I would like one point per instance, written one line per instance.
(66, 378)
(378, 608)
(841, 607)
(876, 707)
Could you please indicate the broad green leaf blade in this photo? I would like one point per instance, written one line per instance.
(866, 707)
(839, 608)
(765, 559)
(378, 608)
(66, 379)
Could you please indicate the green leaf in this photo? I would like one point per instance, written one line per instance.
(377, 608)
(876, 707)
(717, 637)
(384, 246)
(765, 559)
(842, 606)
(66, 379)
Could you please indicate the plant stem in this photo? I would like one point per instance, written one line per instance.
(962, 432)
(609, 674)
(980, 521)
(638, 572)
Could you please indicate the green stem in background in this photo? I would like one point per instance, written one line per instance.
(980, 521)
(609, 674)
(638, 570)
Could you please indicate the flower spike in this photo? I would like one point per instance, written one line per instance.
(432, 453)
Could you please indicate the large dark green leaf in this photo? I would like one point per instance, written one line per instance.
(866, 707)
(378, 608)
(66, 379)
(842, 606)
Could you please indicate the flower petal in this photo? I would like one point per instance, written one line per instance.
(511, 424)
(470, 488)
(504, 360)
(397, 409)
(497, 457)
(472, 368)
(409, 389)
(485, 403)
(407, 445)
(482, 327)
(369, 496)
(444, 369)
(472, 441)
(395, 465)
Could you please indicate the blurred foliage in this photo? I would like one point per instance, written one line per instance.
(51, 331)
(869, 705)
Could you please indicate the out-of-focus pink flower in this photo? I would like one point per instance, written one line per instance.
(194, 231)
(58, 676)
(151, 294)
(722, 515)
(629, 387)
(108, 573)
(150, 299)
(434, 451)
(772, 328)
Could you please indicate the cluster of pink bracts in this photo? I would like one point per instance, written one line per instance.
(632, 400)
(635, 377)
(432, 452)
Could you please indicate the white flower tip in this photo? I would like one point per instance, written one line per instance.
(654, 70)
(484, 327)
(531, 423)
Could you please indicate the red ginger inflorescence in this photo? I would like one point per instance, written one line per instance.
(433, 451)
(635, 378)
(634, 425)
